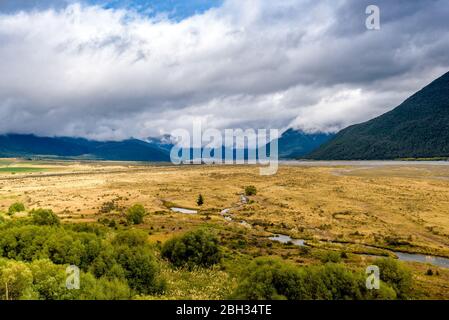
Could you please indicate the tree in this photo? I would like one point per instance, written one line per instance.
(250, 191)
(133, 258)
(16, 281)
(195, 248)
(395, 275)
(135, 214)
(200, 200)
(141, 269)
(49, 280)
(131, 238)
(268, 278)
(101, 289)
(44, 217)
(16, 207)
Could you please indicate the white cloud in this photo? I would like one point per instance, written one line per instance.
(111, 74)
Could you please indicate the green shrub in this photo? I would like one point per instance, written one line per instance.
(141, 269)
(16, 207)
(267, 278)
(112, 224)
(385, 292)
(395, 275)
(331, 256)
(250, 191)
(131, 238)
(112, 267)
(44, 217)
(101, 289)
(43, 280)
(49, 280)
(334, 282)
(270, 279)
(16, 281)
(135, 214)
(195, 248)
(61, 246)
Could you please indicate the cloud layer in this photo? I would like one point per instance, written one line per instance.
(83, 70)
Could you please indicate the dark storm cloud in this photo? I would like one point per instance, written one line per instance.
(105, 74)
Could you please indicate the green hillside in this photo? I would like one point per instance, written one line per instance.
(418, 128)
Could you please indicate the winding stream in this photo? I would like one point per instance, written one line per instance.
(282, 238)
(183, 210)
(402, 256)
(413, 257)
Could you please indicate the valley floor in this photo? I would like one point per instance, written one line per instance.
(361, 210)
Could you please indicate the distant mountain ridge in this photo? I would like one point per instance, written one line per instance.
(294, 144)
(417, 128)
(17, 145)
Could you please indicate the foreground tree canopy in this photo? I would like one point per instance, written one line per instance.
(269, 279)
(35, 257)
(120, 263)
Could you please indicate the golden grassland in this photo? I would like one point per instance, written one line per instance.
(353, 209)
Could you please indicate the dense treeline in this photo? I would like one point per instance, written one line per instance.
(112, 267)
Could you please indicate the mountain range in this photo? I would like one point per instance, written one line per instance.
(417, 128)
(17, 145)
(292, 144)
(295, 144)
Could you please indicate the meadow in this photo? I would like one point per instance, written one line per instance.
(348, 215)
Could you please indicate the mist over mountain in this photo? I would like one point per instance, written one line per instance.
(418, 128)
(292, 144)
(297, 143)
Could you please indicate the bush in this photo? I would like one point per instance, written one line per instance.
(195, 248)
(250, 191)
(101, 289)
(43, 280)
(44, 217)
(133, 257)
(331, 256)
(335, 282)
(141, 269)
(16, 281)
(49, 280)
(111, 268)
(131, 238)
(135, 214)
(61, 246)
(268, 278)
(395, 275)
(16, 207)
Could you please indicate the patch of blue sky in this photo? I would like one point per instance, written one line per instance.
(174, 9)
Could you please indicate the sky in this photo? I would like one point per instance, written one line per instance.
(110, 70)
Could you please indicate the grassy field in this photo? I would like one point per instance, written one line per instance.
(20, 169)
(358, 210)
